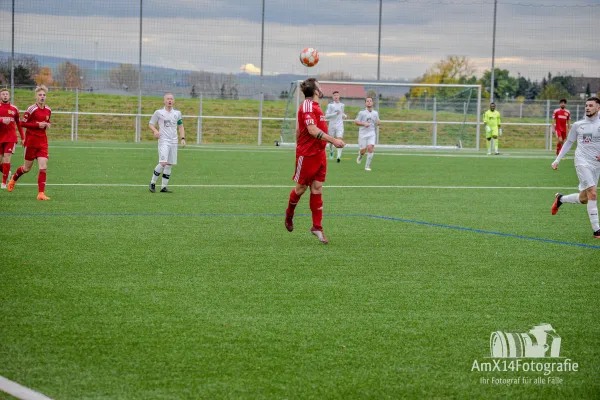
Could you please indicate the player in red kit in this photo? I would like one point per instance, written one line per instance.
(561, 117)
(311, 161)
(9, 123)
(37, 120)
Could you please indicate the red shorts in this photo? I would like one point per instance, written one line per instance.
(310, 168)
(32, 153)
(560, 134)
(7, 147)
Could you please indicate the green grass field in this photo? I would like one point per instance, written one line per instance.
(110, 292)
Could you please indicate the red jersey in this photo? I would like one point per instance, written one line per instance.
(561, 117)
(8, 133)
(310, 113)
(31, 119)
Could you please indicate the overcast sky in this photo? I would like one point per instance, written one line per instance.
(224, 35)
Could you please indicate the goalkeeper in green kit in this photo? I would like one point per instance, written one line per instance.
(491, 119)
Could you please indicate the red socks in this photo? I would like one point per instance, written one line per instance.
(292, 203)
(316, 206)
(18, 174)
(5, 170)
(42, 181)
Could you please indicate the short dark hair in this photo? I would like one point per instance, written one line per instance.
(563, 101)
(308, 87)
(334, 92)
(368, 97)
(597, 100)
(492, 103)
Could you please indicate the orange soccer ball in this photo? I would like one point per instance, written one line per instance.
(309, 57)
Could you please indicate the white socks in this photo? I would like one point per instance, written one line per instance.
(571, 198)
(339, 151)
(369, 159)
(166, 176)
(592, 209)
(157, 170)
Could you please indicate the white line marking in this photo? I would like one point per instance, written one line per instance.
(19, 391)
(327, 186)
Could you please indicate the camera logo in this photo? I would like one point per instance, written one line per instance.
(541, 341)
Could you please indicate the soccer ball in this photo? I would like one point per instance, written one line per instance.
(309, 57)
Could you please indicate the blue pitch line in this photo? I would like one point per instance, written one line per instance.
(382, 217)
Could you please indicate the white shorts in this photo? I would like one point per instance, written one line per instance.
(588, 177)
(364, 142)
(336, 131)
(167, 153)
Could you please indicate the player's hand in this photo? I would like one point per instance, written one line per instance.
(597, 158)
(182, 142)
(339, 143)
(345, 116)
(156, 135)
(378, 123)
(554, 165)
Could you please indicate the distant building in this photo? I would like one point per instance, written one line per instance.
(581, 84)
(352, 95)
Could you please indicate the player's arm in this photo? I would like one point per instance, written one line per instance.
(181, 131)
(571, 138)
(330, 113)
(359, 120)
(377, 121)
(27, 123)
(499, 124)
(314, 131)
(153, 125)
(19, 127)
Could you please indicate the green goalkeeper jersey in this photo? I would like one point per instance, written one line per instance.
(492, 119)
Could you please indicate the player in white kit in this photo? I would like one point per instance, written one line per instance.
(335, 115)
(586, 133)
(169, 121)
(367, 119)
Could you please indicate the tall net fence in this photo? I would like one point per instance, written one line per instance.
(208, 55)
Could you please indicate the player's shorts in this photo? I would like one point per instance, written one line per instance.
(364, 142)
(491, 133)
(588, 176)
(167, 153)
(310, 168)
(561, 135)
(336, 131)
(7, 148)
(33, 153)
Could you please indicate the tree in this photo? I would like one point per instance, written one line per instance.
(44, 77)
(588, 91)
(69, 75)
(335, 76)
(504, 84)
(452, 69)
(26, 67)
(284, 94)
(553, 91)
(566, 81)
(125, 76)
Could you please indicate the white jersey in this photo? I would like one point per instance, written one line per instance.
(586, 133)
(167, 122)
(367, 116)
(335, 114)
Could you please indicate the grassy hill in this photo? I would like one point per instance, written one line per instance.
(216, 128)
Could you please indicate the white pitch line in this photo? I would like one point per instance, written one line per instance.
(327, 186)
(20, 391)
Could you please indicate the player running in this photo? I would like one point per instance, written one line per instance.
(9, 123)
(491, 119)
(37, 121)
(311, 160)
(168, 120)
(335, 115)
(367, 119)
(561, 117)
(587, 162)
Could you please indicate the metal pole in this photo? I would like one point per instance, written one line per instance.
(478, 129)
(493, 53)
(577, 115)
(12, 55)
(521, 111)
(548, 136)
(379, 42)
(262, 94)
(434, 135)
(76, 113)
(139, 117)
(199, 132)
(72, 127)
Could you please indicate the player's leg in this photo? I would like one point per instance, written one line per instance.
(163, 158)
(316, 209)
(496, 140)
(370, 153)
(171, 160)
(488, 142)
(43, 166)
(300, 177)
(592, 209)
(30, 155)
(5, 154)
(559, 141)
(339, 150)
(362, 148)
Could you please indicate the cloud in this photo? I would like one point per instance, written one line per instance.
(250, 69)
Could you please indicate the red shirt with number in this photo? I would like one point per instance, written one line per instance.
(34, 135)
(310, 113)
(561, 117)
(8, 133)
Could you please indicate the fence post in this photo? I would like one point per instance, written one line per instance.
(548, 136)
(72, 127)
(521, 111)
(434, 138)
(577, 115)
(76, 113)
(199, 129)
(260, 115)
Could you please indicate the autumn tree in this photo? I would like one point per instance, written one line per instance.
(125, 76)
(451, 70)
(69, 75)
(44, 77)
